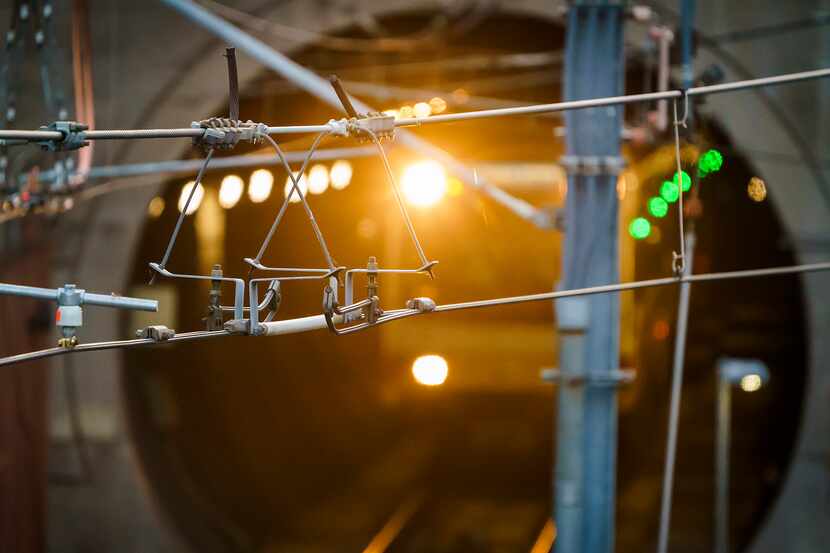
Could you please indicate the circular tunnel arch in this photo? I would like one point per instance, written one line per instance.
(157, 400)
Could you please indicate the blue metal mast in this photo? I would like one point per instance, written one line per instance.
(594, 67)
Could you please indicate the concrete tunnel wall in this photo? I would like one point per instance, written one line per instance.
(175, 73)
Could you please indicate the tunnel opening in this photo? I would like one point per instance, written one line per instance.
(316, 443)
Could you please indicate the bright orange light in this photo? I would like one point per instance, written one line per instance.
(230, 191)
(156, 207)
(438, 105)
(454, 186)
(197, 197)
(260, 184)
(318, 179)
(424, 183)
(460, 96)
(340, 174)
(422, 109)
(430, 370)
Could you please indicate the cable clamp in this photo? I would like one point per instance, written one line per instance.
(422, 304)
(339, 127)
(381, 124)
(684, 95)
(158, 333)
(678, 263)
(224, 133)
(73, 137)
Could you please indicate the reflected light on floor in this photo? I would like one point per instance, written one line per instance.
(424, 183)
(430, 370)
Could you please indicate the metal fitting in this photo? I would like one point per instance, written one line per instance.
(381, 124)
(213, 320)
(423, 304)
(226, 133)
(73, 137)
(158, 333)
(592, 165)
(605, 379)
(69, 316)
(242, 326)
(339, 127)
(373, 310)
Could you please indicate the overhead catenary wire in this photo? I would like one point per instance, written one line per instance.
(317, 322)
(126, 134)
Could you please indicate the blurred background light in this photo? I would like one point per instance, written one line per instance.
(686, 179)
(757, 189)
(751, 383)
(156, 207)
(318, 179)
(341, 174)
(197, 197)
(392, 112)
(424, 183)
(230, 191)
(302, 184)
(422, 109)
(259, 185)
(438, 105)
(668, 191)
(406, 112)
(639, 228)
(658, 207)
(710, 162)
(430, 370)
(454, 186)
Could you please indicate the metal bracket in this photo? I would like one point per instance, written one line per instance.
(69, 316)
(613, 378)
(359, 125)
(73, 136)
(592, 165)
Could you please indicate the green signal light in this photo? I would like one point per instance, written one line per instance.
(639, 228)
(669, 192)
(710, 162)
(687, 180)
(658, 206)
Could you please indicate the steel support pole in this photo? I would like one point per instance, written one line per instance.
(573, 318)
(593, 68)
(724, 409)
